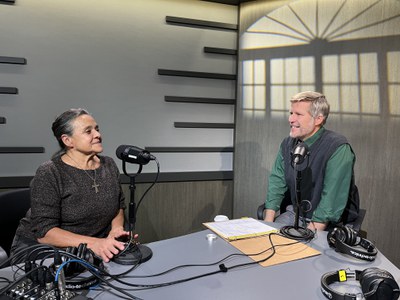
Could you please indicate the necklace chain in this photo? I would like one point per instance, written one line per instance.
(94, 185)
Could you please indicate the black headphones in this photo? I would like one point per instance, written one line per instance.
(376, 284)
(345, 239)
(72, 269)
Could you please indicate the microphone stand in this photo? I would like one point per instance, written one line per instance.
(298, 200)
(134, 253)
(296, 232)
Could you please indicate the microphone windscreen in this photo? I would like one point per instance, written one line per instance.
(299, 153)
(121, 150)
(134, 155)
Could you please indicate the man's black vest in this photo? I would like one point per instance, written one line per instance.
(313, 173)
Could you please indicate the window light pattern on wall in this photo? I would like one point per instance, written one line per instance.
(342, 48)
(288, 76)
(393, 67)
(254, 84)
(351, 86)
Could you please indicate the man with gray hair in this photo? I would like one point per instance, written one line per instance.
(328, 192)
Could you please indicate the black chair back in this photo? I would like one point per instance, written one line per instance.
(14, 205)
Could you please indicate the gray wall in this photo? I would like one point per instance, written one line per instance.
(104, 56)
(357, 70)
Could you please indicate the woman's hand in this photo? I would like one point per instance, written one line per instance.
(107, 247)
(110, 246)
(118, 232)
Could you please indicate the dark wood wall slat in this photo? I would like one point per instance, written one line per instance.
(220, 50)
(168, 72)
(12, 60)
(188, 149)
(193, 202)
(204, 125)
(181, 99)
(22, 150)
(3, 120)
(8, 90)
(200, 23)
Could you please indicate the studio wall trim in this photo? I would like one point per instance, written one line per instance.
(200, 23)
(204, 125)
(15, 150)
(12, 60)
(207, 75)
(181, 176)
(188, 149)
(223, 51)
(182, 99)
(7, 1)
(24, 181)
(8, 90)
(229, 2)
(14, 91)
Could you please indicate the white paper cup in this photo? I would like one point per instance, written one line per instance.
(220, 218)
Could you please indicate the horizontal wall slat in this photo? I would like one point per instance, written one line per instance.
(168, 72)
(220, 51)
(7, 1)
(188, 149)
(12, 60)
(204, 125)
(22, 150)
(200, 23)
(228, 2)
(3, 120)
(8, 90)
(199, 100)
(24, 181)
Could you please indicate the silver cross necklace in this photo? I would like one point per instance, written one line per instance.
(94, 185)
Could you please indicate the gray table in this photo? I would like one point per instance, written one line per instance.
(294, 280)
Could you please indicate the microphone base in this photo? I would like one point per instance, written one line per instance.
(298, 233)
(134, 255)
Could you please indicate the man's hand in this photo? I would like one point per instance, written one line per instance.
(269, 215)
(317, 226)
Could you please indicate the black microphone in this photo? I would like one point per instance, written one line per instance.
(134, 155)
(300, 152)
